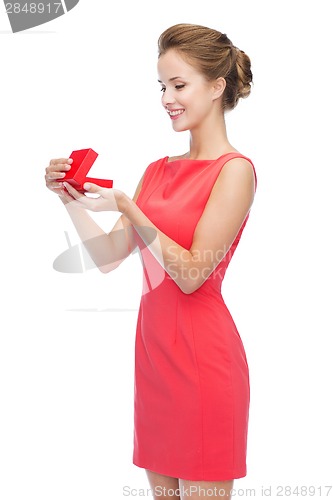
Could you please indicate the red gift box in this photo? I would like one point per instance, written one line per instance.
(83, 160)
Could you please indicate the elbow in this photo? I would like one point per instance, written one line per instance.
(190, 285)
(107, 268)
(104, 269)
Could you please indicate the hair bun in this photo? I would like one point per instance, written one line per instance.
(245, 76)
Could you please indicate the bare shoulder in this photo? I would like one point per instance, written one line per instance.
(236, 175)
(238, 167)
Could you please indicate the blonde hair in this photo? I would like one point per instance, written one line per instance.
(214, 55)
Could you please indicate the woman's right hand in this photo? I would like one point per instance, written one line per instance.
(55, 172)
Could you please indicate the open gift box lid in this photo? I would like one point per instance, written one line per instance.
(83, 160)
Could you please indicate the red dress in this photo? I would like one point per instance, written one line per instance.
(192, 391)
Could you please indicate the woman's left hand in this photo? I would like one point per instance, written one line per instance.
(108, 199)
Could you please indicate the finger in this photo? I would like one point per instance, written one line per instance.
(72, 191)
(56, 161)
(92, 188)
(55, 185)
(67, 198)
(52, 176)
(58, 167)
(59, 164)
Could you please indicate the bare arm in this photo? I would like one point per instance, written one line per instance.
(107, 250)
(228, 205)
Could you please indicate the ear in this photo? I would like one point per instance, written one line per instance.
(218, 87)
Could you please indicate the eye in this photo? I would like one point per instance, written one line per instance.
(178, 87)
(163, 89)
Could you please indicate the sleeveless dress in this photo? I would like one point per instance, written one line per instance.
(191, 391)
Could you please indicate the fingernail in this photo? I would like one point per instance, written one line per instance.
(70, 160)
(87, 186)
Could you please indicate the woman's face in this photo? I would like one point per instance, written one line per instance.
(187, 96)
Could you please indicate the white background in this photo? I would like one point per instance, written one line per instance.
(88, 79)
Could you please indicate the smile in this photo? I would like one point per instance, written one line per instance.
(176, 113)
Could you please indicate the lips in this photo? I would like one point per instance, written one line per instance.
(175, 113)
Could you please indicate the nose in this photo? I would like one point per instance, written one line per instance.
(168, 98)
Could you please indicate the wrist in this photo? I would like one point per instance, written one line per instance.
(125, 204)
(69, 204)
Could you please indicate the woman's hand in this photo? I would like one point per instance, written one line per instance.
(107, 200)
(54, 173)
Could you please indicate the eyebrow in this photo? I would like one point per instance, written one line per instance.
(173, 78)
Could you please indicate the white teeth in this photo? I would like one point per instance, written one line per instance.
(175, 113)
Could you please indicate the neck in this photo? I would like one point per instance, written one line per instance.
(210, 140)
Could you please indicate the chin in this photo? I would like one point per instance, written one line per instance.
(180, 128)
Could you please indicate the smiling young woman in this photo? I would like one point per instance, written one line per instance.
(192, 389)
